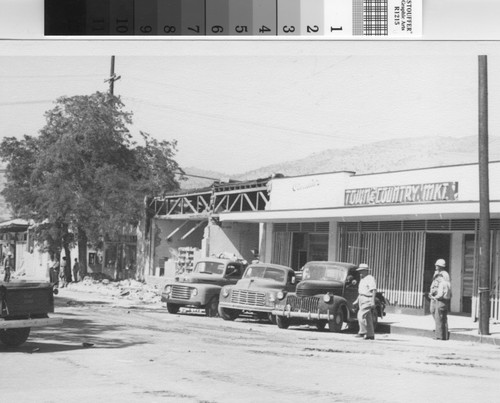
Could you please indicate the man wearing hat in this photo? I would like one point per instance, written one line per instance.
(366, 301)
(7, 266)
(440, 294)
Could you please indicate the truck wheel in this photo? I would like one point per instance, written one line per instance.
(172, 308)
(228, 314)
(335, 325)
(212, 308)
(282, 322)
(14, 337)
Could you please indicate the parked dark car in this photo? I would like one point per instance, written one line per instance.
(201, 288)
(325, 296)
(262, 285)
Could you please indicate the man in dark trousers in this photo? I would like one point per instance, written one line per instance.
(7, 265)
(76, 271)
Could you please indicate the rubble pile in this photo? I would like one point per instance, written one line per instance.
(131, 290)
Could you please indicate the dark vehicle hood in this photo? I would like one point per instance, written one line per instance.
(202, 278)
(313, 287)
(258, 283)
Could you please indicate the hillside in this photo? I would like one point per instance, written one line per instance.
(381, 156)
(384, 156)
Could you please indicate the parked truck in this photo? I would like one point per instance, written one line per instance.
(325, 295)
(200, 289)
(23, 305)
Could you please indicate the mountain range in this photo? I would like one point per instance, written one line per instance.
(380, 156)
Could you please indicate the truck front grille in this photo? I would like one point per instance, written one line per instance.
(245, 297)
(306, 304)
(181, 292)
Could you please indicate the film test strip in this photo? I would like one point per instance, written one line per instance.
(282, 18)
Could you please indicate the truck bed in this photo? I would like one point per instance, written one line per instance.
(25, 299)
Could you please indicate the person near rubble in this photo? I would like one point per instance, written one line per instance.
(440, 294)
(367, 290)
(7, 266)
(65, 272)
(76, 271)
(54, 268)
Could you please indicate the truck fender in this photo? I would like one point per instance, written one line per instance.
(341, 303)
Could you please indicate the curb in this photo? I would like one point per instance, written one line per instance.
(430, 334)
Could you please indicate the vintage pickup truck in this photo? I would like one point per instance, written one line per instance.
(262, 285)
(325, 296)
(201, 288)
(23, 305)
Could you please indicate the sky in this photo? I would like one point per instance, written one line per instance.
(236, 107)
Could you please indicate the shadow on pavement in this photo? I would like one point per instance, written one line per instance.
(35, 347)
(75, 334)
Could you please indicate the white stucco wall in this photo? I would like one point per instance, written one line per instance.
(328, 190)
(233, 237)
(162, 245)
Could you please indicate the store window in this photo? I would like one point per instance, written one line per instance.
(318, 246)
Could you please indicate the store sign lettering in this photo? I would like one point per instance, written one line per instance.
(427, 192)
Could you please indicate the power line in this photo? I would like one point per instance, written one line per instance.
(227, 118)
(42, 101)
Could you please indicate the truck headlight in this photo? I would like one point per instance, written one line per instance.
(225, 292)
(280, 295)
(194, 292)
(327, 298)
(168, 289)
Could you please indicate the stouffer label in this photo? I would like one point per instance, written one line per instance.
(401, 194)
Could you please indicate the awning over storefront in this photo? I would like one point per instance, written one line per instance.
(451, 210)
(16, 225)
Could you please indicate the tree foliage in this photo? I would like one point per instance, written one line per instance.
(84, 173)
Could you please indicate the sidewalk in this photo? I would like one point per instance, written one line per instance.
(461, 328)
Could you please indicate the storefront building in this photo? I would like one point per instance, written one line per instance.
(399, 223)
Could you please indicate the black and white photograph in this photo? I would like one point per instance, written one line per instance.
(249, 221)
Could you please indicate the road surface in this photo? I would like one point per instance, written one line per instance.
(109, 353)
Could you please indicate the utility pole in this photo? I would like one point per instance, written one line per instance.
(112, 77)
(484, 200)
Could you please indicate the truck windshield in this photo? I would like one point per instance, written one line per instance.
(324, 272)
(209, 268)
(267, 273)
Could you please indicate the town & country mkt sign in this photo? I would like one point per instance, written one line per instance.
(419, 193)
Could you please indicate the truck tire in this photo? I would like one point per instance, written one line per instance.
(228, 314)
(282, 322)
(172, 308)
(14, 337)
(335, 325)
(212, 308)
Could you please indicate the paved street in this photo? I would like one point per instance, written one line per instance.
(104, 352)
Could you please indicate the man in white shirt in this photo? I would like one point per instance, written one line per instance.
(366, 300)
(440, 294)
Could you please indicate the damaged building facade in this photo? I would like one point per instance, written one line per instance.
(399, 223)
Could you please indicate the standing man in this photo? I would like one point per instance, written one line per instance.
(366, 302)
(7, 265)
(54, 271)
(440, 294)
(76, 271)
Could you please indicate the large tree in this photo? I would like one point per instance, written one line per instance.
(84, 174)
